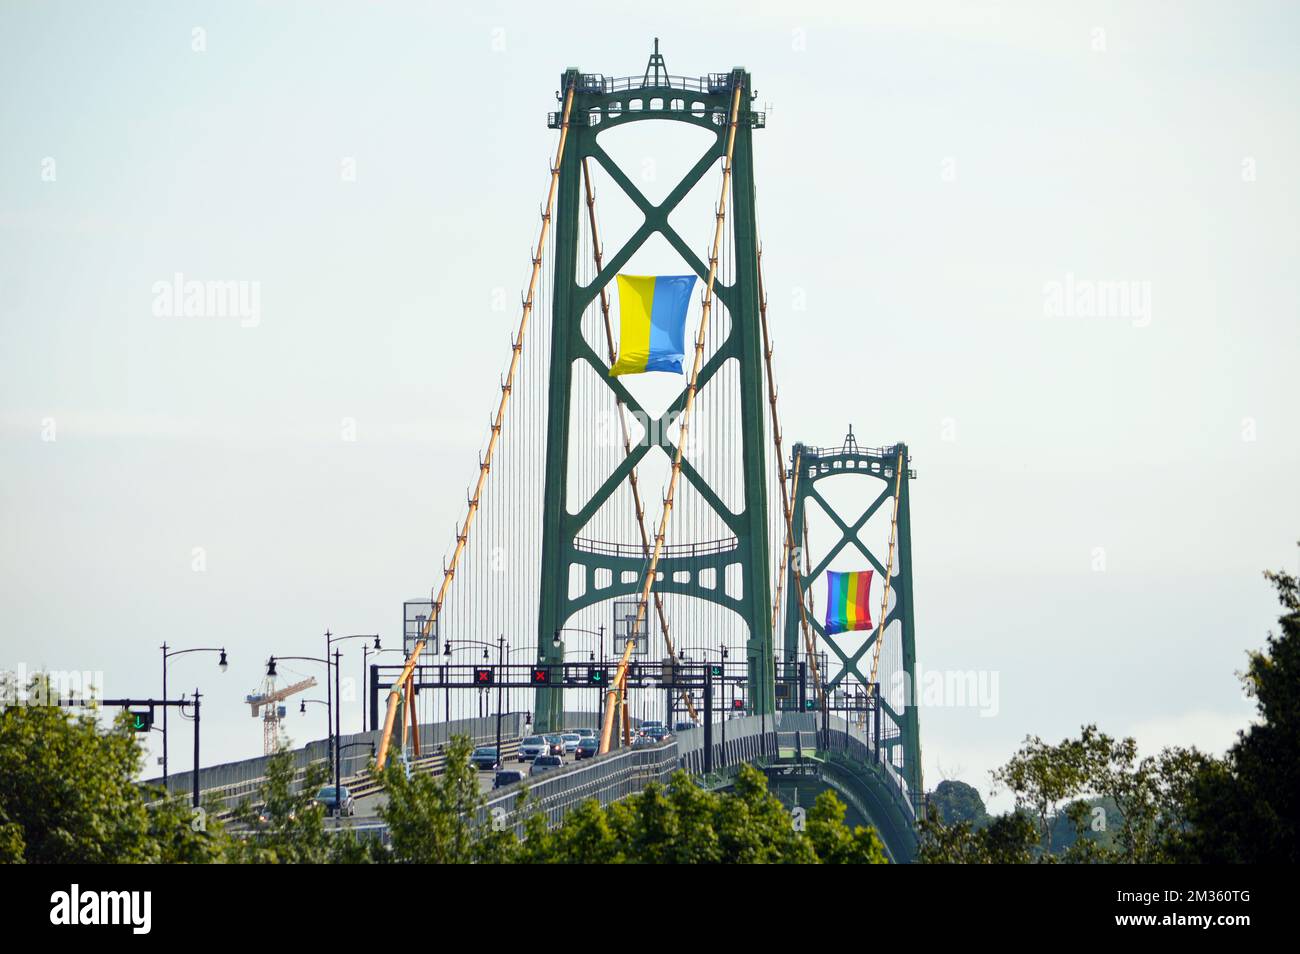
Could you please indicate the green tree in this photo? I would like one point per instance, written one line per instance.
(431, 819)
(958, 802)
(1012, 838)
(69, 795)
(288, 826)
(1042, 777)
(755, 828)
(1245, 808)
(834, 842)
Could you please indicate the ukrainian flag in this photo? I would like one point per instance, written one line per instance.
(652, 323)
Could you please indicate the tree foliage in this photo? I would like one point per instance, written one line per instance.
(1246, 807)
(69, 794)
(957, 802)
(1094, 799)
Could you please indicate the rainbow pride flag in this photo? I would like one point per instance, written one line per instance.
(652, 323)
(847, 596)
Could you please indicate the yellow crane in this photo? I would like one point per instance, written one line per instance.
(268, 700)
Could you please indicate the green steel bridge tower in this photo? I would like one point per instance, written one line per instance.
(882, 464)
(601, 103)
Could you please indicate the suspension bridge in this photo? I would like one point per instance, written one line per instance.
(649, 546)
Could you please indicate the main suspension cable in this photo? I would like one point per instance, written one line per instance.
(449, 571)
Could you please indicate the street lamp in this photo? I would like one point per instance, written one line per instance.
(338, 699)
(222, 666)
(271, 674)
(599, 632)
(366, 653)
(447, 651)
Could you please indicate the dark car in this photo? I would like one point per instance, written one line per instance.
(556, 742)
(341, 804)
(658, 733)
(506, 777)
(485, 757)
(643, 742)
(684, 726)
(544, 763)
(587, 748)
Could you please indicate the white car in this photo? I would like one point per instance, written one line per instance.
(571, 740)
(533, 746)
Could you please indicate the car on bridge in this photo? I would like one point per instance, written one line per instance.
(544, 763)
(684, 726)
(585, 733)
(556, 742)
(337, 801)
(659, 733)
(571, 740)
(259, 815)
(506, 777)
(533, 746)
(485, 758)
(589, 747)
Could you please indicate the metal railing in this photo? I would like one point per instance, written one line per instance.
(229, 784)
(714, 84)
(635, 552)
(606, 778)
(856, 746)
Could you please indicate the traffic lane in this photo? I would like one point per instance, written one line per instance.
(369, 805)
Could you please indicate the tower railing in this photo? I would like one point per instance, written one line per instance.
(634, 551)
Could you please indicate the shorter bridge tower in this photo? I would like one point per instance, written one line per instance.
(855, 651)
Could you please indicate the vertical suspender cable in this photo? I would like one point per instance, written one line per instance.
(889, 568)
(598, 257)
(484, 466)
(685, 419)
(810, 645)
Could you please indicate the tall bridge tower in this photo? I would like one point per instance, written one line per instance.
(579, 570)
(885, 656)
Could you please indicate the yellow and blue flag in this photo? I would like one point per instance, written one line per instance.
(652, 322)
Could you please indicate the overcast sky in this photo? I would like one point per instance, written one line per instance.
(946, 191)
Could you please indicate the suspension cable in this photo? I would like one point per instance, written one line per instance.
(889, 570)
(684, 420)
(786, 503)
(449, 572)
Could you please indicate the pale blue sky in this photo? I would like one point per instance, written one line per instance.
(926, 171)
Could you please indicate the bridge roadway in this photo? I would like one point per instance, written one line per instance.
(790, 748)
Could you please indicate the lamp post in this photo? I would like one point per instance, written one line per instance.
(338, 754)
(447, 650)
(366, 653)
(330, 640)
(168, 653)
(329, 721)
(557, 641)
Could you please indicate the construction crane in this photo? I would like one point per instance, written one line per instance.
(273, 713)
